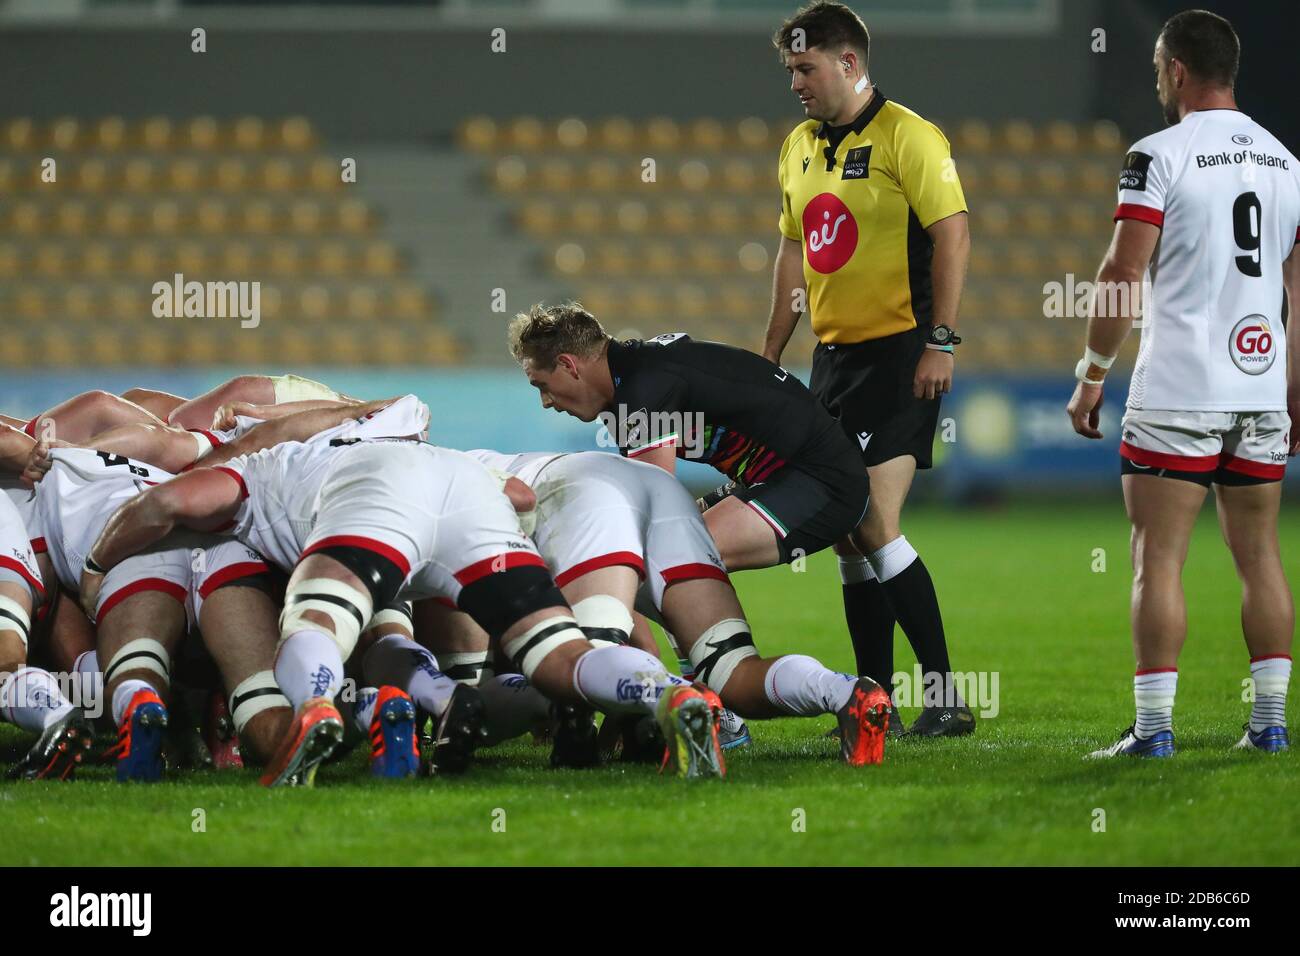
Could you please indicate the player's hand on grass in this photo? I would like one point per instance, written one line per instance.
(933, 374)
(38, 462)
(1085, 410)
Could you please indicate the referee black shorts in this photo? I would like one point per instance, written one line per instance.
(868, 387)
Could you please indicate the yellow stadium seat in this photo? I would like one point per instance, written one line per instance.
(1040, 219)
(66, 135)
(616, 134)
(50, 261)
(479, 134)
(1061, 137)
(57, 348)
(1023, 260)
(333, 259)
(663, 133)
(605, 175)
(632, 216)
(1098, 178)
(723, 217)
(571, 133)
(354, 217)
(557, 175)
(248, 133)
(144, 259)
(742, 176)
(973, 136)
(708, 136)
(232, 174)
(1017, 137)
(20, 135)
(587, 216)
(31, 304)
(109, 134)
(993, 219)
(278, 175)
(165, 217)
(185, 175)
(570, 258)
(92, 176)
(284, 259)
(105, 348)
(118, 218)
(97, 260)
(295, 133)
(259, 217)
(26, 219)
(73, 218)
(201, 347)
(306, 216)
(202, 133)
(315, 302)
(1105, 137)
(709, 259)
(660, 259)
(381, 259)
(80, 303)
(1007, 179)
(677, 216)
(157, 134)
(363, 303)
(410, 301)
(342, 344)
(238, 259)
(753, 133)
(250, 347)
(212, 216)
(1052, 179)
(192, 259)
(540, 218)
(324, 175)
(527, 134)
(694, 175)
(10, 261)
(510, 174)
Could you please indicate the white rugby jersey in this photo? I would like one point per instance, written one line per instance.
(76, 498)
(526, 466)
(1226, 196)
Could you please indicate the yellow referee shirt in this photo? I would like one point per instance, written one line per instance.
(860, 208)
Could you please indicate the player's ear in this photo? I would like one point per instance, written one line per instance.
(567, 363)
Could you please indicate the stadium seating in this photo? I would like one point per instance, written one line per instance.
(692, 236)
(253, 198)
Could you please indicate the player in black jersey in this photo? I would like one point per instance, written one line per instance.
(797, 484)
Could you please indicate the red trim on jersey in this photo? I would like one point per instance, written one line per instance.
(232, 572)
(1271, 657)
(612, 560)
(500, 562)
(366, 544)
(446, 602)
(216, 442)
(660, 443)
(1156, 670)
(1131, 210)
(30, 428)
(243, 488)
(14, 565)
(39, 545)
(1256, 469)
(693, 572)
(1157, 459)
(170, 588)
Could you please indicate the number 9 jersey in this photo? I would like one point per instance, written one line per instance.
(1226, 197)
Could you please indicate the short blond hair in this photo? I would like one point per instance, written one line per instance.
(545, 332)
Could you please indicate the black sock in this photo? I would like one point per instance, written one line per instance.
(870, 618)
(911, 592)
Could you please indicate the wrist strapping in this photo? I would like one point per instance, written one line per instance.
(1090, 360)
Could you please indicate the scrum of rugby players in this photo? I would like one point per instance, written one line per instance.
(227, 577)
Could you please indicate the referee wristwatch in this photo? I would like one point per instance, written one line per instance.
(942, 337)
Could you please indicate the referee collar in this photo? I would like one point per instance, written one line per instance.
(863, 118)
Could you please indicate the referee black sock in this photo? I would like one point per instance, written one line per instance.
(905, 579)
(870, 619)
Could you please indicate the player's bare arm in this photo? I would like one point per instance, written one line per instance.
(298, 427)
(951, 237)
(1126, 261)
(15, 448)
(787, 278)
(224, 416)
(1291, 283)
(201, 500)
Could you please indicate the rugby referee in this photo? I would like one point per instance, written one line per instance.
(874, 240)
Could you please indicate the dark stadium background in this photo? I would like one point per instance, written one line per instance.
(519, 171)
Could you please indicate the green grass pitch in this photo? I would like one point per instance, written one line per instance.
(1021, 598)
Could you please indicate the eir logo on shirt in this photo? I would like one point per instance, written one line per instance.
(830, 234)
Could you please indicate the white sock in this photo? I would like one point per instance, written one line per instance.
(620, 679)
(856, 569)
(802, 686)
(400, 662)
(1271, 675)
(363, 711)
(123, 694)
(308, 665)
(1153, 692)
(30, 699)
(91, 681)
(511, 706)
(892, 560)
